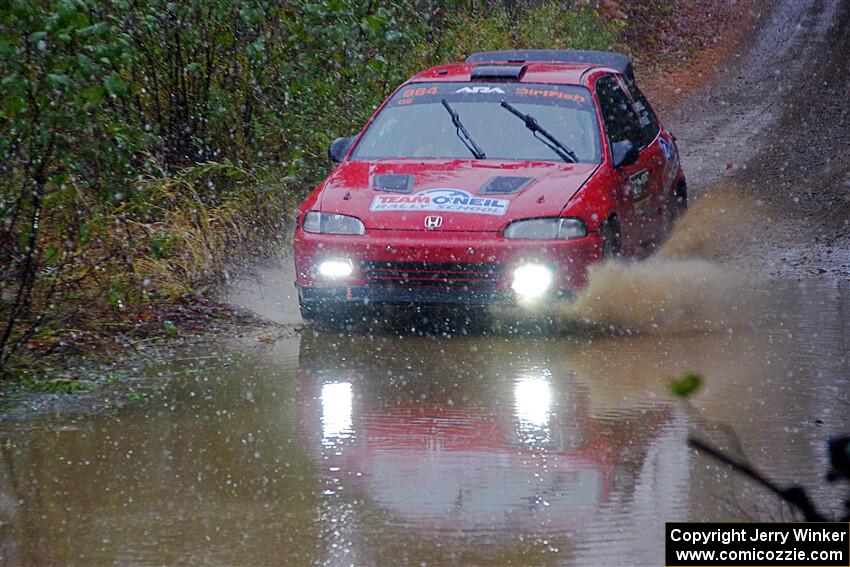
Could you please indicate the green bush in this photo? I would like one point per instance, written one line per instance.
(552, 27)
(146, 144)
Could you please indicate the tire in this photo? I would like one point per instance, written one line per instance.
(329, 314)
(680, 204)
(611, 243)
(309, 313)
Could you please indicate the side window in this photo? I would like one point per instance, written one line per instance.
(619, 118)
(646, 117)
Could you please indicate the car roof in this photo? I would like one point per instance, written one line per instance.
(534, 72)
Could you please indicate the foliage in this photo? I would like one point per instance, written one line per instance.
(642, 32)
(55, 386)
(686, 386)
(551, 27)
(477, 31)
(147, 144)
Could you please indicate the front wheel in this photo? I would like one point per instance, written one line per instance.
(680, 204)
(330, 314)
(309, 313)
(611, 241)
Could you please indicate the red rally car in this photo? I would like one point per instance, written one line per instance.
(498, 180)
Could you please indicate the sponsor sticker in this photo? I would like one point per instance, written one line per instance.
(480, 90)
(549, 93)
(672, 160)
(669, 152)
(422, 91)
(638, 184)
(445, 200)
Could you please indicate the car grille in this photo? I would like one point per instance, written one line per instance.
(436, 275)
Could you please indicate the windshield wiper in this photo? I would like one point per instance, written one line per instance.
(554, 144)
(463, 134)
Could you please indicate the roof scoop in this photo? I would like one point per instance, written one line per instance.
(612, 59)
(393, 182)
(504, 185)
(497, 72)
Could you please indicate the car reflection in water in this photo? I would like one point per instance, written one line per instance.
(429, 434)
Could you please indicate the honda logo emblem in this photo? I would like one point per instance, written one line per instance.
(433, 222)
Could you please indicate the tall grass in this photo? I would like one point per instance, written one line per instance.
(147, 146)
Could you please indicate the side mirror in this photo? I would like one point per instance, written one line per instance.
(623, 153)
(340, 147)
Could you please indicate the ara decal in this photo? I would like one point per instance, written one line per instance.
(480, 90)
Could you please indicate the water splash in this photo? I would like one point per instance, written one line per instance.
(718, 226)
(691, 284)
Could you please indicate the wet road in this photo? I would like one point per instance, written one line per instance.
(774, 123)
(388, 447)
(328, 449)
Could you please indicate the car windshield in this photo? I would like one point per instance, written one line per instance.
(415, 122)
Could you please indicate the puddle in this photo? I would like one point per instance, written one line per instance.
(489, 450)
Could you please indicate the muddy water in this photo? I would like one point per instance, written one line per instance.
(393, 448)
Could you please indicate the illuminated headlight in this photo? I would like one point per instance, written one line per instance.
(336, 268)
(546, 229)
(329, 223)
(531, 281)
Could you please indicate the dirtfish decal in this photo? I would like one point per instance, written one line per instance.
(442, 200)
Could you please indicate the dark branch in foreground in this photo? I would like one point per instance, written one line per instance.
(793, 495)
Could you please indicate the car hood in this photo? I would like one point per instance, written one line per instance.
(468, 195)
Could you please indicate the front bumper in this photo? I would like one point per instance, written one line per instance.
(396, 295)
(472, 268)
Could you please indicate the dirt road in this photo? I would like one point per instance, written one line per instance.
(776, 122)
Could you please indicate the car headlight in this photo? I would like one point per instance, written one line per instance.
(554, 228)
(330, 223)
(336, 268)
(532, 281)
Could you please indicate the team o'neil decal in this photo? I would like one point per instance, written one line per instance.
(445, 200)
